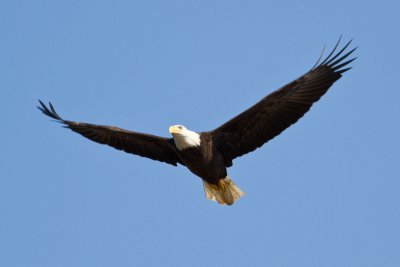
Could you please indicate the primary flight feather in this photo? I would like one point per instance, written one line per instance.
(208, 154)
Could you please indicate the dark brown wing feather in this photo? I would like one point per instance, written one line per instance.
(277, 111)
(145, 145)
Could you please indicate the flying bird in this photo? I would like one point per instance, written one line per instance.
(209, 154)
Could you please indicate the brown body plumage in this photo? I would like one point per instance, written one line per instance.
(195, 158)
(208, 154)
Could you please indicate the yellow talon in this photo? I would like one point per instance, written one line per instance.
(221, 184)
(224, 191)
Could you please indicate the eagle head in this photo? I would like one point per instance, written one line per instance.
(183, 137)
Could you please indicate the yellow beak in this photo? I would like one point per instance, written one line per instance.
(174, 130)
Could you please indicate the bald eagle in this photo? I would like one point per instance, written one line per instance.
(209, 154)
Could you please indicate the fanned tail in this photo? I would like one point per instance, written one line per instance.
(224, 192)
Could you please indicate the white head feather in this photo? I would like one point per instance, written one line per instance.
(183, 137)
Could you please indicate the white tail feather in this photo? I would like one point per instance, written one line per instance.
(225, 192)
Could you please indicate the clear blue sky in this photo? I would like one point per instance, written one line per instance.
(324, 193)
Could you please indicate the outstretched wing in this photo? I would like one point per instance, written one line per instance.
(145, 145)
(277, 111)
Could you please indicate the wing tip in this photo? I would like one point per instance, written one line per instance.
(335, 60)
(49, 111)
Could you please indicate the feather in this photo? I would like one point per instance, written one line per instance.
(280, 109)
(145, 145)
